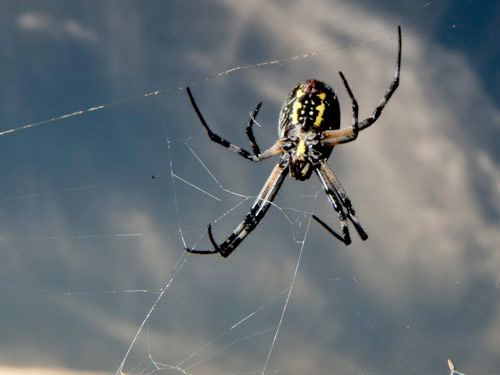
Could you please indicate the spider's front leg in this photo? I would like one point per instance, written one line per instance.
(339, 136)
(392, 88)
(254, 216)
(256, 156)
(249, 130)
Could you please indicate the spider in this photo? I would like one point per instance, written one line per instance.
(309, 128)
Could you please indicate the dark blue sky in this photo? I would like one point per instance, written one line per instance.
(88, 237)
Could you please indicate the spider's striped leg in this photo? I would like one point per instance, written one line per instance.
(346, 239)
(338, 136)
(334, 199)
(273, 150)
(254, 216)
(329, 175)
(249, 130)
(354, 127)
(394, 85)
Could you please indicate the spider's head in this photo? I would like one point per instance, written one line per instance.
(299, 143)
(313, 87)
(300, 169)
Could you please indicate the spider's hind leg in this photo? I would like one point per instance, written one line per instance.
(340, 202)
(254, 216)
(346, 238)
(256, 156)
(346, 202)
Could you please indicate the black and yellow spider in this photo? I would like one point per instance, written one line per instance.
(309, 127)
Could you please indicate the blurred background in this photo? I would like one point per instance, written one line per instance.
(107, 174)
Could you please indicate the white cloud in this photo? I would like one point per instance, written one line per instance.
(56, 28)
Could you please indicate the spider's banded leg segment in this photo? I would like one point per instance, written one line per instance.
(331, 231)
(394, 85)
(340, 201)
(257, 212)
(252, 219)
(337, 206)
(339, 136)
(273, 150)
(216, 138)
(355, 127)
(249, 130)
(330, 176)
(335, 137)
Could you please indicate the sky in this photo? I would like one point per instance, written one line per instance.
(108, 175)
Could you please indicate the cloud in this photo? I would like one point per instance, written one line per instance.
(61, 29)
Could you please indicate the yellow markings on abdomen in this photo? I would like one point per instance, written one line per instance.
(321, 109)
(299, 93)
(297, 106)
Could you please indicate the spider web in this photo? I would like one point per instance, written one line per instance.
(397, 303)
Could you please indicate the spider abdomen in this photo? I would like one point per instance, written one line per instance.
(311, 105)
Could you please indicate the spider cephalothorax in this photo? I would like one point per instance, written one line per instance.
(309, 127)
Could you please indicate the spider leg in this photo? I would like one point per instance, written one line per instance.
(394, 85)
(337, 206)
(338, 136)
(340, 201)
(332, 232)
(346, 201)
(254, 216)
(273, 150)
(335, 137)
(249, 130)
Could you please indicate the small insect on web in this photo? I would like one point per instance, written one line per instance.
(309, 128)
